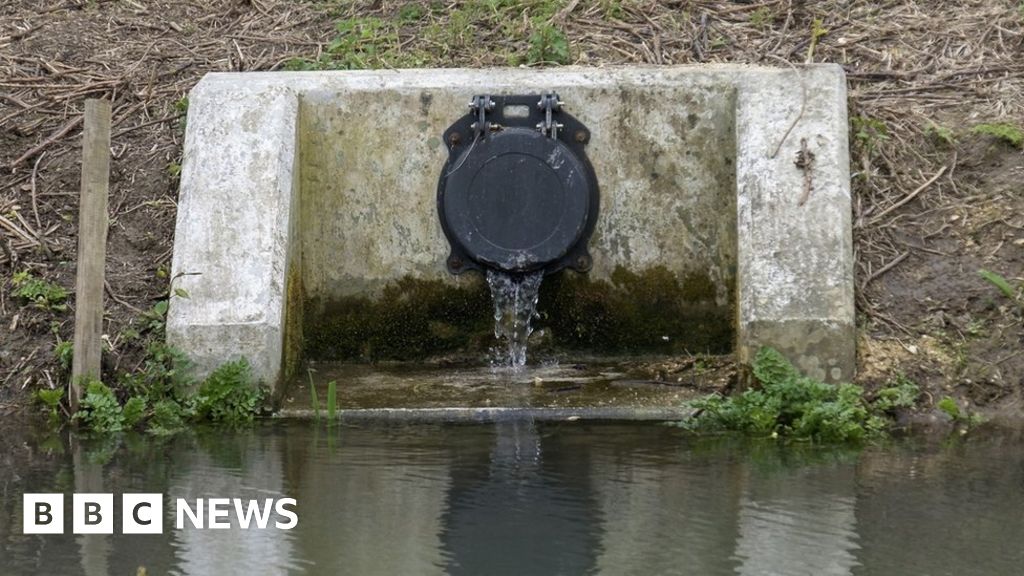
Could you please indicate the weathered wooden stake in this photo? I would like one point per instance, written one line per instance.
(92, 246)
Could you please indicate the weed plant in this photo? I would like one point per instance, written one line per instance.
(789, 404)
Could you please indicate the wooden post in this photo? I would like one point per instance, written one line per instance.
(92, 246)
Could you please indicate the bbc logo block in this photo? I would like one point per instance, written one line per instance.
(43, 513)
(142, 514)
(93, 513)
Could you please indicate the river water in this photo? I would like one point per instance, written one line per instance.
(533, 498)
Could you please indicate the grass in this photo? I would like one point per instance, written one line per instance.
(548, 45)
(314, 399)
(332, 401)
(1009, 133)
(1000, 283)
(1013, 294)
(761, 18)
(416, 35)
(868, 133)
(941, 134)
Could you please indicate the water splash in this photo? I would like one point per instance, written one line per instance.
(515, 305)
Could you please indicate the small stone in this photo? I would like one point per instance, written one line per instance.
(573, 418)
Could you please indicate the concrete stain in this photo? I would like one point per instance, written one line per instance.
(649, 312)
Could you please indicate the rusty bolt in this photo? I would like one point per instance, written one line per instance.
(581, 136)
(454, 138)
(455, 263)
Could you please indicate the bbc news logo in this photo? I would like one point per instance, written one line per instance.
(143, 513)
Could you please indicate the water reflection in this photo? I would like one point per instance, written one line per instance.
(665, 511)
(500, 493)
(957, 510)
(93, 549)
(370, 501)
(525, 498)
(239, 466)
(799, 521)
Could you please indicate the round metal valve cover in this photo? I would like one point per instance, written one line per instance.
(518, 201)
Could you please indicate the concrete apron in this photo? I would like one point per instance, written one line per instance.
(323, 184)
(472, 415)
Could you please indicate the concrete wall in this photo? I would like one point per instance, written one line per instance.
(370, 160)
(322, 185)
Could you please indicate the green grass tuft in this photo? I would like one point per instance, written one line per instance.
(314, 400)
(941, 134)
(548, 45)
(332, 400)
(999, 282)
(1004, 131)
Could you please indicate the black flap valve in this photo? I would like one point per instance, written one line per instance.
(517, 193)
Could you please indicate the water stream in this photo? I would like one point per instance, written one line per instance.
(515, 305)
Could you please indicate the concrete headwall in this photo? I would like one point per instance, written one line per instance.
(664, 154)
(301, 191)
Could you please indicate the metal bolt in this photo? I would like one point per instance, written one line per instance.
(455, 263)
(454, 138)
(581, 136)
(583, 262)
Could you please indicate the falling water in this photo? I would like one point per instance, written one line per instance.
(515, 304)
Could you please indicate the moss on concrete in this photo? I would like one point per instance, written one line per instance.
(411, 320)
(293, 344)
(652, 311)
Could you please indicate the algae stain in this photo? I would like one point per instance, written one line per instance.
(648, 312)
(413, 319)
(293, 327)
(652, 311)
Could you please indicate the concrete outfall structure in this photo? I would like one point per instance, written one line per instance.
(302, 187)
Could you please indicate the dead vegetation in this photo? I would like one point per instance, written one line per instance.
(935, 197)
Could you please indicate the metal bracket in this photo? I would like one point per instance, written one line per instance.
(481, 105)
(550, 103)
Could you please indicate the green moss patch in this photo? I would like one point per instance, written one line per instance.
(411, 320)
(653, 311)
(648, 312)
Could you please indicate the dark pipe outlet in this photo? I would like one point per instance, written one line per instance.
(518, 193)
